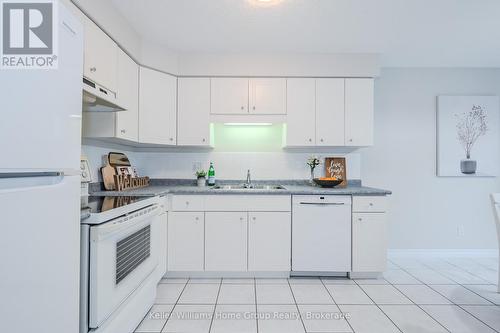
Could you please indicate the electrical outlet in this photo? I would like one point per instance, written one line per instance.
(460, 230)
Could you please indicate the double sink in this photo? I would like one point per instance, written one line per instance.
(248, 187)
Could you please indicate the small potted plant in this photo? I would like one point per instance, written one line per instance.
(313, 162)
(201, 176)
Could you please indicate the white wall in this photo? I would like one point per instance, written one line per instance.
(427, 210)
(228, 165)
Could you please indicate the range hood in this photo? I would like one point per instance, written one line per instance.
(99, 99)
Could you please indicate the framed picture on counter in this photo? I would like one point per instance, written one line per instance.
(336, 167)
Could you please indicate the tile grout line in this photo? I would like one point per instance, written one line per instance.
(296, 305)
(176, 301)
(453, 303)
(385, 314)
(338, 307)
(215, 305)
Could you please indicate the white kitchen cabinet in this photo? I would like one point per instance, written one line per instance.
(157, 107)
(185, 241)
(226, 241)
(301, 116)
(359, 112)
(229, 96)
(369, 242)
(329, 112)
(127, 122)
(267, 96)
(269, 241)
(193, 114)
(100, 57)
(122, 125)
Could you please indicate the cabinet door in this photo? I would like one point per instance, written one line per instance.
(225, 241)
(267, 96)
(157, 107)
(301, 112)
(193, 112)
(269, 241)
(369, 242)
(127, 122)
(100, 56)
(229, 96)
(359, 112)
(185, 241)
(330, 112)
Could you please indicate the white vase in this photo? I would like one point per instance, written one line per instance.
(202, 182)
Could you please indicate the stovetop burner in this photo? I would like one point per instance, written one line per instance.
(102, 204)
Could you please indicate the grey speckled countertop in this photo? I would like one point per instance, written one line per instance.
(174, 186)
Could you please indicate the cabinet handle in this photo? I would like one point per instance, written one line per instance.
(321, 140)
(254, 218)
(93, 69)
(371, 203)
(241, 218)
(360, 219)
(204, 140)
(187, 203)
(350, 140)
(310, 140)
(123, 131)
(253, 108)
(171, 139)
(197, 218)
(243, 108)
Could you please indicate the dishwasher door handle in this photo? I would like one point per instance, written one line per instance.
(323, 203)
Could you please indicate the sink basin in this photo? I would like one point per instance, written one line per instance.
(245, 187)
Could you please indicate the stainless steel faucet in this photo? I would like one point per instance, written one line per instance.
(248, 183)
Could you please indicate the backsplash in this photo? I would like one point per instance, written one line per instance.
(228, 165)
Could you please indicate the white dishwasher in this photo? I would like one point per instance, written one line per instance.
(321, 234)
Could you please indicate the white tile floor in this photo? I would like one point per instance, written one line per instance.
(414, 295)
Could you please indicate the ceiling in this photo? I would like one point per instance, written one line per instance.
(421, 33)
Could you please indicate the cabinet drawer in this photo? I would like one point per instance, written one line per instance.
(188, 203)
(248, 203)
(369, 204)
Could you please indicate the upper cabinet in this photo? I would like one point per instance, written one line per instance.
(329, 112)
(193, 105)
(128, 96)
(229, 96)
(267, 96)
(301, 117)
(100, 58)
(157, 107)
(359, 112)
(242, 96)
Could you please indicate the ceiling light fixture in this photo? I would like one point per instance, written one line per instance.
(264, 3)
(248, 124)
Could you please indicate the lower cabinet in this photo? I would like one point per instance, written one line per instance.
(185, 241)
(269, 241)
(369, 242)
(226, 241)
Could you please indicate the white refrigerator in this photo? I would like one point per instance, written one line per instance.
(40, 144)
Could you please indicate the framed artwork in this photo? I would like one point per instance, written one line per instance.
(467, 136)
(336, 167)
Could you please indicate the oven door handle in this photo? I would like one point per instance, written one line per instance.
(122, 224)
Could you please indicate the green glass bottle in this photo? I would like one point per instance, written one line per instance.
(211, 175)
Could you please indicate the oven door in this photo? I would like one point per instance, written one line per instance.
(121, 258)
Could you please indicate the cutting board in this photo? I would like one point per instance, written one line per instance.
(108, 176)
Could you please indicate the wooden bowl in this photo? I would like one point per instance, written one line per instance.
(327, 183)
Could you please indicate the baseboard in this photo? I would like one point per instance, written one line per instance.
(442, 253)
